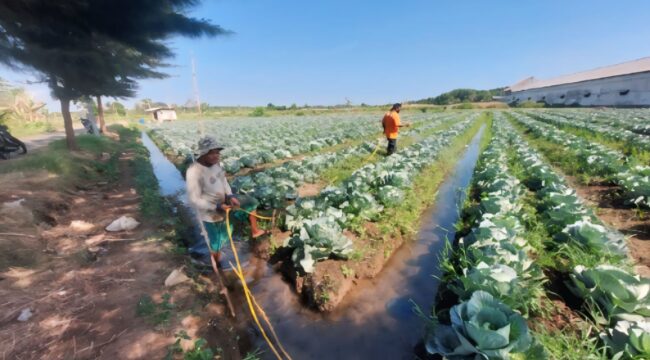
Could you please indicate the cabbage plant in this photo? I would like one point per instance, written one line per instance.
(616, 292)
(595, 236)
(628, 340)
(317, 239)
(481, 328)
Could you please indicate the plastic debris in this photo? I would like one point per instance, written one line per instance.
(123, 223)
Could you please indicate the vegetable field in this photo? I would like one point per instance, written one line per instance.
(550, 258)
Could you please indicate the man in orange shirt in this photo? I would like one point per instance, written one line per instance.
(391, 124)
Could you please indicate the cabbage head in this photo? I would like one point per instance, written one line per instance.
(390, 196)
(317, 239)
(594, 236)
(481, 328)
(628, 340)
(616, 292)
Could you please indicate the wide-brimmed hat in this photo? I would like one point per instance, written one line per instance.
(206, 144)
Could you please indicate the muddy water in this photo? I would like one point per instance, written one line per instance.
(376, 319)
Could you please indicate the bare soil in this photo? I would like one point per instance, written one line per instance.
(616, 214)
(306, 189)
(83, 284)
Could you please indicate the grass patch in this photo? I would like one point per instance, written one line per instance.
(154, 206)
(158, 313)
(85, 164)
(199, 351)
(21, 128)
(582, 344)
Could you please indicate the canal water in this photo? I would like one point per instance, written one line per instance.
(376, 320)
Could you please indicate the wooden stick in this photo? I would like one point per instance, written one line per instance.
(224, 289)
(16, 234)
(273, 220)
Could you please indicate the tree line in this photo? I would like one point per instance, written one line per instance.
(458, 96)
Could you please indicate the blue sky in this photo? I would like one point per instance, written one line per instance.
(308, 52)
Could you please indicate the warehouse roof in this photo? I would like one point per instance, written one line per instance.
(626, 68)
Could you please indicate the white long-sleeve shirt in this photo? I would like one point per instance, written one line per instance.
(206, 188)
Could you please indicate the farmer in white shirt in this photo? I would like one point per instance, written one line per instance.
(209, 192)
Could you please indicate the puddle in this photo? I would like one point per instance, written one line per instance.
(376, 319)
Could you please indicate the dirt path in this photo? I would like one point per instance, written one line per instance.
(93, 294)
(38, 141)
(614, 213)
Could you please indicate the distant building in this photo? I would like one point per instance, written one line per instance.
(161, 114)
(625, 84)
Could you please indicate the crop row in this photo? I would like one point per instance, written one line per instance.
(615, 297)
(596, 159)
(250, 142)
(317, 223)
(491, 274)
(608, 129)
(272, 187)
(497, 283)
(637, 121)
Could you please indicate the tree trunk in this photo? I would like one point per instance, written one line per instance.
(67, 121)
(100, 115)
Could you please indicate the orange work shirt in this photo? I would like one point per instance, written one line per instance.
(391, 124)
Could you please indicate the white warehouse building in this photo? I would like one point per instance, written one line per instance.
(625, 84)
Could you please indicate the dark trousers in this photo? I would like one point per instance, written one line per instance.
(392, 146)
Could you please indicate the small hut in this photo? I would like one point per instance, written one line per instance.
(161, 114)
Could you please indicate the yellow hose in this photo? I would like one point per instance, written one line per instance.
(256, 215)
(249, 296)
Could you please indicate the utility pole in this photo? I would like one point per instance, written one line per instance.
(195, 87)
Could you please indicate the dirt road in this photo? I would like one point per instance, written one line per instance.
(38, 141)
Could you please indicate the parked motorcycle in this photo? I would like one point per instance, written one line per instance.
(9, 145)
(90, 128)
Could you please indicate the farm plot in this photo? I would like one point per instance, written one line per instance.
(276, 185)
(609, 128)
(535, 274)
(356, 219)
(580, 156)
(637, 121)
(346, 227)
(251, 142)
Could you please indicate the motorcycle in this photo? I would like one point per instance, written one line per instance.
(90, 128)
(9, 144)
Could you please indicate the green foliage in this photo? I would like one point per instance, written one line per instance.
(466, 105)
(481, 327)
(152, 204)
(257, 112)
(346, 271)
(530, 104)
(115, 108)
(254, 355)
(628, 340)
(569, 344)
(112, 60)
(316, 240)
(462, 95)
(200, 350)
(613, 292)
(68, 166)
(159, 314)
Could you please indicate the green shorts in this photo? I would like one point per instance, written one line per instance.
(217, 233)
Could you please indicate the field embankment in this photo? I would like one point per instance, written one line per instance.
(72, 289)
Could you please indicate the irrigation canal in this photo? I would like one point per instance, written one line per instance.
(376, 320)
